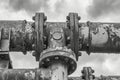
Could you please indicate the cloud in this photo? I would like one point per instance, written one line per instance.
(103, 8)
(103, 64)
(29, 6)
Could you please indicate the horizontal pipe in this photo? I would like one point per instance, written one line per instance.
(21, 34)
(96, 37)
(25, 74)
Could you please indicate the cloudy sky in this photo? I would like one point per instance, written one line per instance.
(57, 10)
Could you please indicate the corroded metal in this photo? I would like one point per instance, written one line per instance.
(56, 51)
(21, 34)
(104, 37)
(59, 71)
(63, 55)
(39, 30)
(101, 37)
(87, 73)
(73, 20)
(22, 74)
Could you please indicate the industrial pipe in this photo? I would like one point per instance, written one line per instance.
(100, 37)
(95, 37)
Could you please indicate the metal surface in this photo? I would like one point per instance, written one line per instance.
(101, 37)
(73, 21)
(5, 61)
(56, 51)
(24, 74)
(105, 36)
(39, 30)
(87, 73)
(21, 34)
(55, 45)
(59, 71)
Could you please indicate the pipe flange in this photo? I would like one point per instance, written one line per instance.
(64, 55)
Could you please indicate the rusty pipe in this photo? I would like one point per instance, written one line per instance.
(100, 37)
(96, 37)
(26, 74)
(21, 34)
(19, 74)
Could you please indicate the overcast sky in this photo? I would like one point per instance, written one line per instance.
(57, 10)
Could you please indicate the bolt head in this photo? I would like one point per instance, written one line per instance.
(45, 18)
(47, 59)
(33, 18)
(83, 77)
(82, 71)
(93, 76)
(56, 57)
(68, 18)
(34, 53)
(79, 17)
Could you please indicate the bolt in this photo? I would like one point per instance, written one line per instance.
(68, 25)
(33, 46)
(44, 46)
(68, 38)
(93, 76)
(79, 25)
(93, 71)
(83, 77)
(88, 23)
(82, 71)
(56, 57)
(73, 68)
(33, 18)
(79, 53)
(72, 62)
(42, 63)
(66, 59)
(57, 36)
(69, 46)
(68, 18)
(47, 59)
(34, 53)
(79, 17)
(45, 18)
(45, 25)
(33, 25)
(44, 38)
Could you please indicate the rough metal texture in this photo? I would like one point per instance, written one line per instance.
(24, 74)
(73, 20)
(56, 51)
(87, 73)
(101, 37)
(39, 19)
(104, 37)
(21, 34)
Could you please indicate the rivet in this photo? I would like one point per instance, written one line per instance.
(33, 17)
(47, 59)
(68, 18)
(72, 62)
(73, 68)
(42, 63)
(56, 57)
(66, 59)
(79, 17)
